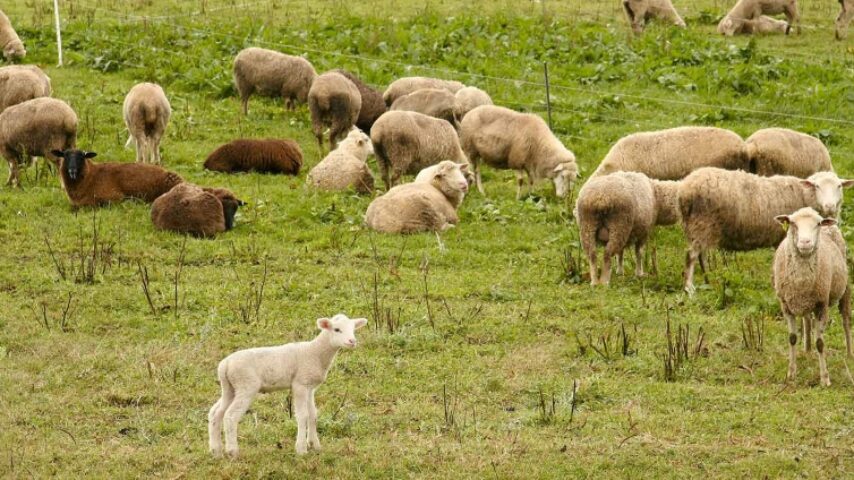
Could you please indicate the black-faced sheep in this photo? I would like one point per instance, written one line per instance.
(640, 11)
(407, 85)
(334, 102)
(745, 10)
(373, 104)
(469, 98)
(146, 111)
(345, 167)
(435, 102)
(201, 212)
(274, 74)
(251, 155)
(19, 83)
(11, 44)
(90, 184)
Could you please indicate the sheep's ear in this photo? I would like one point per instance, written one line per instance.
(360, 322)
(464, 166)
(847, 183)
(324, 323)
(782, 219)
(827, 222)
(90, 154)
(807, 183)
(58, 153)
(559, 168)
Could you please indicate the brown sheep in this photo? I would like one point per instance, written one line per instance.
(90, 184)
(335, 102)
(434, 102)
(252, 155)
(373, 104)
(274, 74)
(19, 83)
(201, 212)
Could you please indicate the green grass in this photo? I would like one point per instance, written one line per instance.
(123, 391)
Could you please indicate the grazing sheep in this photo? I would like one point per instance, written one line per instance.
(202, 212)
(735, 210)
(406, 142)
(745, 10)
(780, 151)
(372, 102)
(518, 141)
(13, 49)
(34, 128)
(674, 153)
(300, 366)
(335, 102)
(641, 11)
(19, 83)
(146, 111)
(844, 18)
(90, 184)
(251, 155)
(764, 25)
(811, 276)
(273, 74)
(406, 85)
(435, 102)
(346, 167)
(468, 99)
(420, 206)
(619, 210)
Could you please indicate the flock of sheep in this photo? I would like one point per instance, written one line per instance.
(725, 191)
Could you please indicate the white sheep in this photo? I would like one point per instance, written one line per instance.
(811, 276)
(406, 85)
(11, 44)
(469, 98)
(19, 83)
(299, 366)
(844, 18)
(146, 112)
(274, 74)
(345, 167)
(735, 210)
(764, 25)
(745, 10)
(780, 151)
(640, 11)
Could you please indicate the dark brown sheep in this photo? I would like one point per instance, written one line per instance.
(201, 212)
(89, 184)
(373, 104)
(265, 156)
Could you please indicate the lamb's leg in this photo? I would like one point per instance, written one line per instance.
(638, 260)
(215, 417)
(843, 20)
(793, 342)
(313, 440)
(688, 276)
(821, 322)
(520, 182)
(301, 410)
(807, 329)
(233, 414)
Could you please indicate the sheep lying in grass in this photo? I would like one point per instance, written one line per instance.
(673, 153)
(90, 184)
(301, 367)
(641, 11)
(35, 128)
(274, 74)
(407, 85)
(11, 44)
(435, 102)
(844, 18)
(373, 104)
(763, 25)
(346, 167)
(735, 210)
(619, 210)
(780, 151)
(201, 212)
(334, 102)
(745, 10)
(250, 155)
(19, 83)
(469, 98)
(146, 111)
(810, 277)
(518, 141)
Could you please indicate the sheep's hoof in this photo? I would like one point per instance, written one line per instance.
(232, 453)
(690, 290)
(301, 449)
(216, 452)
(825, 381)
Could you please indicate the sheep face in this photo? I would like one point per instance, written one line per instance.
(804, 228)
(341, 330)
(73, 162)
(564, 175)
(361, 140)
(14, 51)
(828, 191)
(728, 26)
(451, 177)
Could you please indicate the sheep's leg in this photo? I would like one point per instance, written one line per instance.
(591, 262)
(793, 343)
(440, 242)
(396, 173)
(215, 417)
(13, 180)
(639, 20)
(845, 311)
(605, 278)
(688, 276)
(620, 270)
(821, 323)
(793, 17)
(638, 260)
(807, 329)
(301, 410)
(842, 22)
(520, 182)
(476, 165)
(313, 440)
(244, 104)
(140, 146)
(233, 414)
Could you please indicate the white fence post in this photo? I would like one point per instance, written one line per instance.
(58, 34)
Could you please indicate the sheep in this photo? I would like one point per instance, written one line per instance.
(844, 18)
(373, 104)
(35, 128)
(19, 83)
(467, 99)
(406, 142)
(299, 366)
(745, 10)
(420, 206)
(201, 212)
(406, 85)
(764, 25)
(265, 156)
(334, 101)
(639, 12)
(735, 210)
(274, 74)
(90, 184)
(780, 151)
(522, 142)
(345, 167)
(435, 102)
(621, 209)
(426, 175)
(674, 153)
(13, 48)
(810, 276)
(146, 111)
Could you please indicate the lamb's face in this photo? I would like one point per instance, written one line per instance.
(73, 162)
(804, 229)
(564, 176)
(361, 140)
(341, 330)
(450, 177)
(828, 192)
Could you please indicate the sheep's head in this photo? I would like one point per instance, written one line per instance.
(827, 188)
(360, 140)
(564, 175)
(728, 26)
(14, 51)
(804, 228)
(73, 162)
(229, 202)
(450, 178)
(341, 330)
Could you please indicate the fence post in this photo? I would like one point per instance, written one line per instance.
(548, 94)
(58, 34)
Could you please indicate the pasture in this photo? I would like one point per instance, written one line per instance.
(492, 359)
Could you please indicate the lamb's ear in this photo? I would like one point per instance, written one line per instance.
(782, 219)
(807, 183)
(58, 153)
(324, 323)
(360, 322)
(847, 183)
(464, 167)
(827, 222)
(90, 154)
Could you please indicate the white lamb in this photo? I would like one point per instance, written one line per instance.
(300, 366)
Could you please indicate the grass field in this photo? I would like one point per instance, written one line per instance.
(494, 359)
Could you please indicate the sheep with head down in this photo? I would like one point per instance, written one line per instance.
(19, 83)
(640, 11)
(190, 209)
(13, 48)
(406, 85)
(373, 105)
(746, 10)
(273, 74)
(334, 102)
(780, 151)
(434, 102)
(469, 98)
